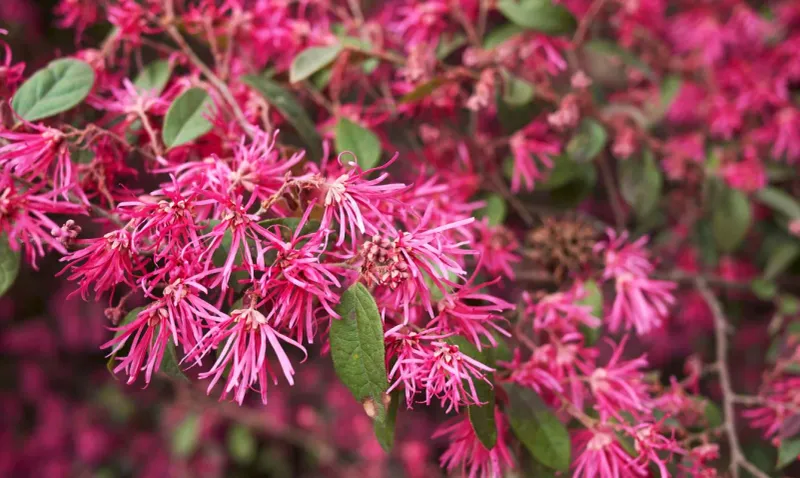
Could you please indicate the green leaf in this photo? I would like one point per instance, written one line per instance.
(481, 417)
(154, 77)
(781, 257)
(186, 436)
(311, 60)
(538, 428)
(495, 209)
(501, 34)
(359, 356)
(516, 91)
(588, 141)
(539, 15)
(360, 141)
(730, 218)
(290, 224)
(594, 299)
(384, 429)
(9, 265)
(422, 90)
(186, 118)
(640, 183)
(779, 201)
(287, 104)
(56, 88)
(242, 444)
(670, 87)
(713, 414)
(170, 363)
(788, 452)
(764, 289)
(450, 43)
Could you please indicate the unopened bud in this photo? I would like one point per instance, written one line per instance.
(370, 408)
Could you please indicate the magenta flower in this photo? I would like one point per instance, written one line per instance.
(466, 452)
(23, 217)
(602, 456)
(105, 262)
(460, 314)
(241, 341)
(450, 375)
(38, 155)
(496, 246)
(640, 303)
(533, 142)
(148, 335)
(619, 385)
(560, 311)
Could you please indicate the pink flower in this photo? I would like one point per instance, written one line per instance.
(148, 335)
(787, 142)
(466, 452)
(38, 155)
(619, 385)
(748, 175)
(602, 456)
(106, 262)
(77, 14)
(242, 340)
(497, 247)
(527, 145)
(23, 217)
(560, 311)
(449, 375)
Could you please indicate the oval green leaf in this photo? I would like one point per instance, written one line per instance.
(788, 452)
(495, 209)
(779, 201)
(640, 183)
(311, 60)
(481, 417)
(588, 142)
(154, 77)
(358, 352)
(730, 218)
(242, 445)
(538, 428)
(539, 15)
(9, 265)
(58, 87)
(516, 91)
(360, 141)
(186, 118)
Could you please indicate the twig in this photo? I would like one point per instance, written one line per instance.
(613, 195)
(728, 396)
(222, 88)
(515, 203)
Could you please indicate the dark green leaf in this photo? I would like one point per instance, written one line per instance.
(359, 355)
(779, 201)
(186, 118)
(290, 224)
(789, 305)
(9, 265)
(154, 77)
(588, 141)
(516, 91)
(788, 452)
(764, 289)
(713, 414)
(58, 87)
(730, 218)
(670, 87)
(538, 428)
(170, 363)
(422, 90)
(564, 170)
(640, 183)
(594, 299)
(780, 258)
(384, 429)
(242, 444)
(501, 34)
(311, 60)
(360, 141)
(186, 436)
(286, 103)
(481, 417)
(495, 209)
(539, 15)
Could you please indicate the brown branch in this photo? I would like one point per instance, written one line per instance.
(728, 396)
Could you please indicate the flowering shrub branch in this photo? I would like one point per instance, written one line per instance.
(422, 190)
